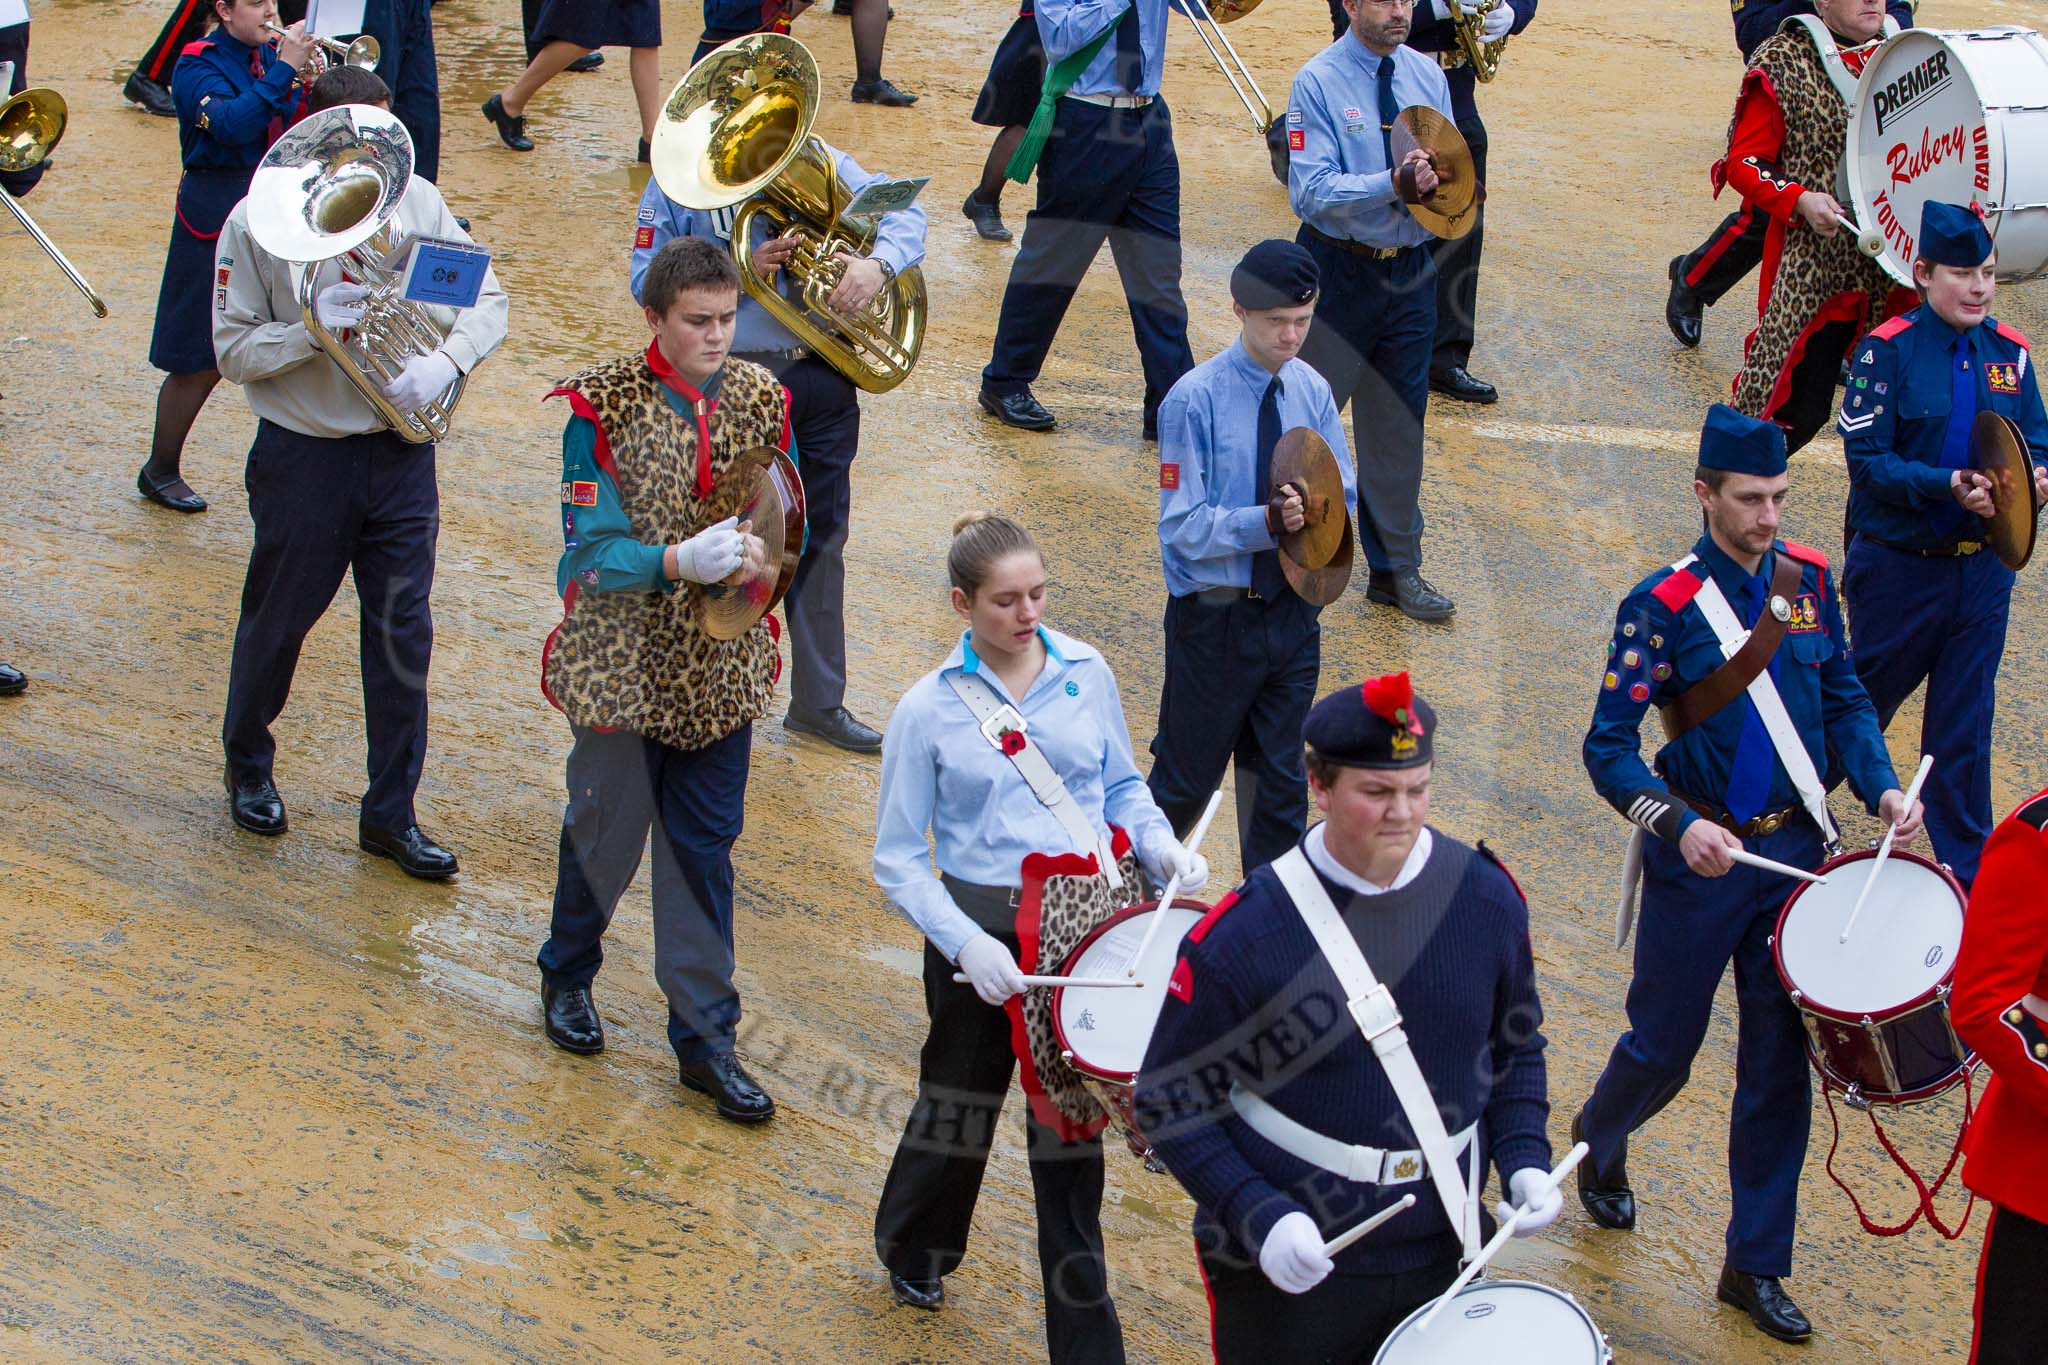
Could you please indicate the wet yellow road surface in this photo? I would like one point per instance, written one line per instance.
(272, 1100)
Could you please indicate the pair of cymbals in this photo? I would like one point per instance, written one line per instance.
(1999, 452)
(1317, 558)
(1452, 209)
(762, 488)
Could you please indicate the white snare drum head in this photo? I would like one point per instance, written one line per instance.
(1903, 946)
(1499, 1320)
(1108, 1030)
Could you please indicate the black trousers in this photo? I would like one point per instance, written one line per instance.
(1731, 251)
(1342, 1321)
(928, 1200)
(322, 508)
(1457, 273)
(2012, 1312)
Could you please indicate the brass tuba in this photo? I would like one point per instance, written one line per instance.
(329, 189)
(738, 128)
(31, 126)
(1484, 57)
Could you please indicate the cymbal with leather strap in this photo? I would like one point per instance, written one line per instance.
(1999, 452)
(1452, 209)
(762, 487)
(1320, 587)
(1304, 459)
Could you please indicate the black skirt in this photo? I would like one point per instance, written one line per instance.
(182, 339)
(599, 23)
(1015, 78)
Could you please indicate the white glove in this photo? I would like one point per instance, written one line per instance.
(340, 305)
(991, 970)
(1192, 868)
(1442, 10)
(1526, 1186)
(421, 381)
(712, 554)
(1292, 1256)
(1496, 24)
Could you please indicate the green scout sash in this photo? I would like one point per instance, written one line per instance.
(1058, 80)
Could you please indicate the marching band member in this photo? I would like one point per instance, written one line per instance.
(1007, 100)
(1377, 317)
(331, 491)
(1937, 604)
(1242, 649)
(1108, 171)
(234, 94)
(149, 84)
(2000, 1010)
(1724, 783)
(567, 31)
(665, 749)
(1820, 292)
(825, 420)
(14, 54)
(947, 770)
(1263, 1096)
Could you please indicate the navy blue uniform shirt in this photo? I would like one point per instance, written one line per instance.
(225, 108)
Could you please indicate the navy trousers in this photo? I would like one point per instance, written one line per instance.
(1689, 930)
(322, 508)
(1107, 174)
(1374, 328)
(1240, 678)
(1940, 621)
(405, 30)
(621, 786)
(1457, 271)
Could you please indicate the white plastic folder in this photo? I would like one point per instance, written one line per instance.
(326, 18)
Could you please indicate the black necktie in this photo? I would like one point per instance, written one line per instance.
(1267, 580)
(1389, 110)
(1130, 50)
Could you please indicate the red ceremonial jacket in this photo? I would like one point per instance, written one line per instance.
(2000, 1007)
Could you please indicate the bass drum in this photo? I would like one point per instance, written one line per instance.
(1960, 117)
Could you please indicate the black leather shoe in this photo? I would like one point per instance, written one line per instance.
(154, 97)
(573, 1025)
(173, 492)
(1411, 593)
(1682, 307)
(929, 1295)
(1606, 1195)
(589, 61)
(1457, 382)
(882, 91)
(1765, 1300)
(1018, 410)
(13, 682)
(836, 727)
(413, 851)
(255, 805)
(727, 1082)
(511, 127)
(987, 218)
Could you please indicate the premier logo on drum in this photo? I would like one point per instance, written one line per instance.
(1910, 89)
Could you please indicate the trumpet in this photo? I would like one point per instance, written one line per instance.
(363, 53)
(1208, 21)
(31, 126)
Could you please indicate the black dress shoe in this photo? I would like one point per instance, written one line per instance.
(154, 97)
(255, 805)
(1682, 307)
(173, 492)
(413, 851)
(589, 61)
(13, 682)
(929, 1295)
(727, 1082)
(1765, 1300)
(1411, 593)
(1018, 410)
(1457, 382)
(836, 727)
(882, 91)
(986, 217)
(511, 127)
(573, 1025)
(1606, 1195)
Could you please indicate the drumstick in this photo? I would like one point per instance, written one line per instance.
(1173, 883)
(1105, 982)
(1884, 850)
(1507, 1230)
(1743, 855)
(1345, 1239)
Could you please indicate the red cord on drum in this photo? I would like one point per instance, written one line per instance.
(1925, 1192)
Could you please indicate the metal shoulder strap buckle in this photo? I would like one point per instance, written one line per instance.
(1005, 717)
(1376, 1014)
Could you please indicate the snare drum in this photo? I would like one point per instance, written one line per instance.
(1104, 1033)
(1876, 1007)
(1499, 1320)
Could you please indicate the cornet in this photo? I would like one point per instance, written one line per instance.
(364, 53)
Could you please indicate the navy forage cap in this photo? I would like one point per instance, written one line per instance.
(1381, 723)
(1951, 234)
(1275, 274)
(1741, 445)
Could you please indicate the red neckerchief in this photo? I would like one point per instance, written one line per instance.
(700, 407)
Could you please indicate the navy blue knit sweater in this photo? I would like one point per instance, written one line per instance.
(1255, 1003)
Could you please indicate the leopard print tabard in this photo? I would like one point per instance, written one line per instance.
(1812, 270)
(639, 661)
(1068, 907)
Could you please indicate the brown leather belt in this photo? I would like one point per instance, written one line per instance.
(1693, 706)
(1770, 822)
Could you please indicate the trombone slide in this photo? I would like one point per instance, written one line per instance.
(1229, 63)
(99, 307)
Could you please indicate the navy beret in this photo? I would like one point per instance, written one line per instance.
(1275, 274)
(1952, 235)
(1381, 723)
(1741, 445)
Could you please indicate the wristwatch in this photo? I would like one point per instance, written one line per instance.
(888, 271)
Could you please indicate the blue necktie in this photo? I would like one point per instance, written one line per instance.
(1130, 51)
(1948, 521)
(1389, 110)
(1267, 579)
(1749, 776)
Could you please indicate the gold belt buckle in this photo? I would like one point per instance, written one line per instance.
(1770, 824)
(1968, 547)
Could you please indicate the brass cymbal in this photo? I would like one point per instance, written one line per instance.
(2000, 453)
(1453, 210)
(766, 491)
(1304, 459)
(1320, 587)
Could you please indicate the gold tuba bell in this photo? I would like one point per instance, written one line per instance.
(1483, 57)
(738, 128)
(31, 126)
(329, 189)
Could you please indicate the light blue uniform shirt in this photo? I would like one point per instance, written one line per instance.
(1065, 26)
(1338, 179)
(899, 242)
(939, 773)
(1211, 516)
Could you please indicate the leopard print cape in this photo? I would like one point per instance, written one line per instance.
(639, 661)
(1818, 279)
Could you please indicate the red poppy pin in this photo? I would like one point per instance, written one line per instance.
(1011, 742)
